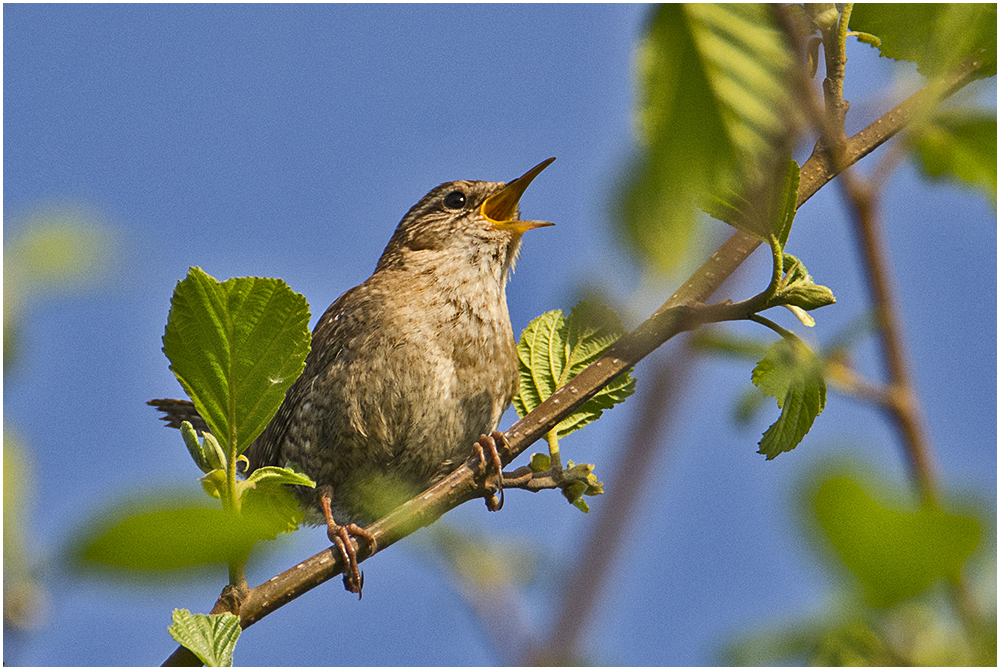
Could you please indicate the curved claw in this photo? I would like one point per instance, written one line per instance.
(353, 580)
(494, 503)
(340, 536)
(485, 451)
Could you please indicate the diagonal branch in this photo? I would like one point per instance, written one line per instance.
(461, 485)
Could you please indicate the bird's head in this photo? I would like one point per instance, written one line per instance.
(477, 222)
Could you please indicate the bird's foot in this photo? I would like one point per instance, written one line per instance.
(340, 536)
(490, 466)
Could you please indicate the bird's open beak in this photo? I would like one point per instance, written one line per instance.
(501, 207)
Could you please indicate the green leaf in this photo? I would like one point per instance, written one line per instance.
(585, 474)
(895, 553)
(866, 38)
(271, 509)
(793, 268)
(787, 202)
(792, 374)
(53, 250)
(274, 476)
(717, 341)
(215, 483)
(714, 105)
(960, 146)
(797, 291)
(213, 450)
(728, 207)
(211, 637)
(268, 503)
(936, 36)
(168, 532)
(236, 347)
(770, 211)
(808, 296)
(195, 447)
(554, 349)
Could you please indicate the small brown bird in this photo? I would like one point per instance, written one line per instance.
(408, 370)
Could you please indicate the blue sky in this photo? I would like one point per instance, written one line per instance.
(288, 141)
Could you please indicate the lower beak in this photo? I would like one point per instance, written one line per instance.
(501, 207)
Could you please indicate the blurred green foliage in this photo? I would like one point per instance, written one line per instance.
(959, 146)
(714, 116)
(895, 601)
(936, 36)
(55, 250)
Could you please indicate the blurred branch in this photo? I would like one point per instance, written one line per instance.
(848, 381)
(899, 397)
(901, 400)
(644, 448)
(491, 575)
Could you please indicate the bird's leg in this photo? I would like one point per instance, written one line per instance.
(340, 536)
(485, 450)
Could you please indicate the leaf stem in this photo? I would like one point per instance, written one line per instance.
(764, 321)
(552, 437)
(778, 268)
(231, 503)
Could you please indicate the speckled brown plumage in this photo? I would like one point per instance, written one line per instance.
(409, 368)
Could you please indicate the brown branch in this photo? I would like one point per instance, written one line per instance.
(819, 169)
(460, 486)
(902, 404)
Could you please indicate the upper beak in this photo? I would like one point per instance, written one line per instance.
(501, 207)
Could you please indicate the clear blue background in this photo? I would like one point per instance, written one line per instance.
(288, 141)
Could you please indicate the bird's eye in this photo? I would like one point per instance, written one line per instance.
(454, 200)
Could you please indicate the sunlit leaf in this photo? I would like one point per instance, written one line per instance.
(715, 110)
(211, 638)
(792, 374)
(274, 476)
(936, 36)
(554, 349)
(161, 532)
(769, 210)
(270, 510)
(236, 347)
